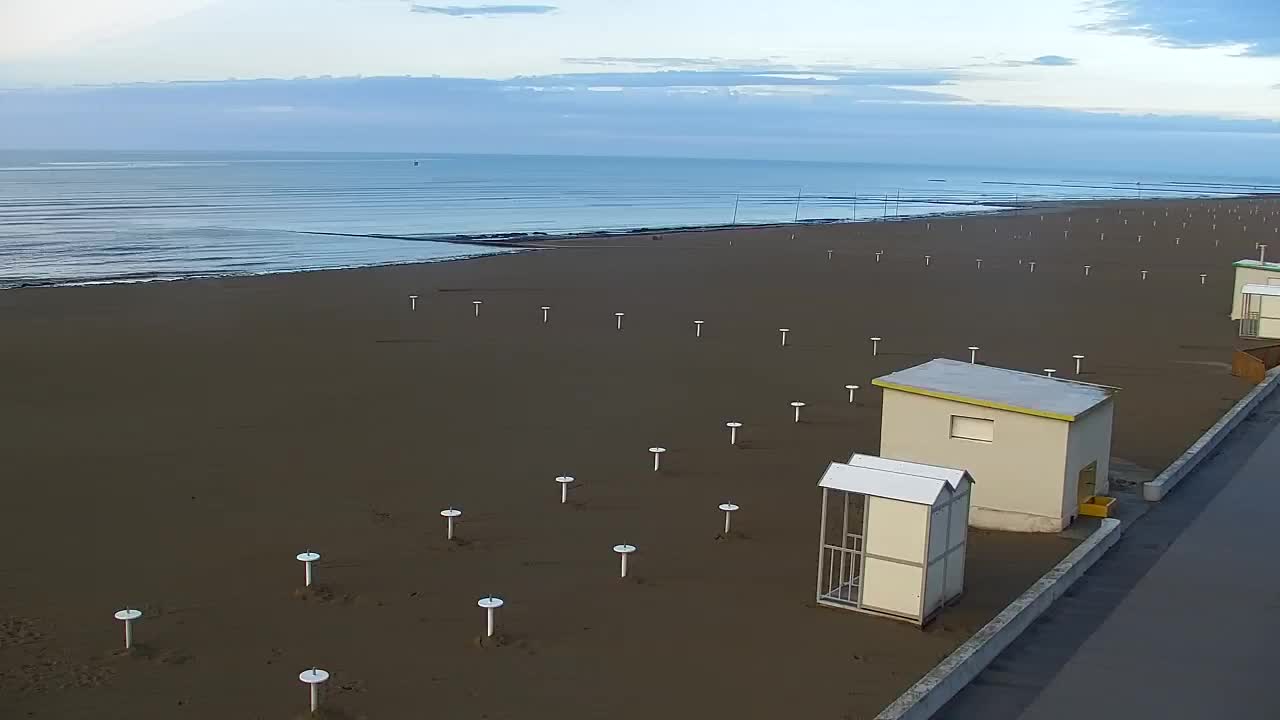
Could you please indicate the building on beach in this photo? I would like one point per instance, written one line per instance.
(1255, 303)
(1040, 446)
(893, 537)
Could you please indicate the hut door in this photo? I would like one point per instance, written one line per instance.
(1088, 485)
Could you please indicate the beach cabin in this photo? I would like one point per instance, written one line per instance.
(1040, 446)
(1255, 303)
(893, 537)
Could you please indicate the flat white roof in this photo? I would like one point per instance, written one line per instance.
(998, 388)
(1258, 289)
(892, 479)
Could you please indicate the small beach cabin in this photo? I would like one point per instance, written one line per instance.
(1040, 446)
(893, 537)
(1255, 303)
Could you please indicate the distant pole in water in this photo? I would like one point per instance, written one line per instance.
(736, 198)
(797, 215)
(896, 201)
(855, 203)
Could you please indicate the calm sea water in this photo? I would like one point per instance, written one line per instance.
(71, 217)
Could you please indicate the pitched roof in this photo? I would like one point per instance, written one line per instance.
(1012, 390)
(893, 479)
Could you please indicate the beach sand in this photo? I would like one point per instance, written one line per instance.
(172, 446)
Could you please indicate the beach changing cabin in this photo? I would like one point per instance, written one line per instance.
(1255, 303)
(893, 537)
(1040, 446)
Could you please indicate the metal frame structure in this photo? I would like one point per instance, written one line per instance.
(841, 563)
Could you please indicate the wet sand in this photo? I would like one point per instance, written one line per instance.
(172, 446)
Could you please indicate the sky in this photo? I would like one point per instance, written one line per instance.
(1123, 81)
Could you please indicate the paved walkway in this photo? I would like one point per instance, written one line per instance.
(1181, 620)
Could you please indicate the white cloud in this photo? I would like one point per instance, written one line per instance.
(41, 28)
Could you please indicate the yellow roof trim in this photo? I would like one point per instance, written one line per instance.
(972, 401)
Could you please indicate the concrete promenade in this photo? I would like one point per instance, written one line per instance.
(1180, 621)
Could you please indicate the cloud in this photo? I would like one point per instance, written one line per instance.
(1043, 61)
(470, 11)
(1252, 25)
(813, 76)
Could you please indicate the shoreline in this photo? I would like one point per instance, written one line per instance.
(525, 241)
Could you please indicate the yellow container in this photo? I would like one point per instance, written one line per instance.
(1097, 506)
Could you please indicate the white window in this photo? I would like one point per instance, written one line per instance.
(969, 428)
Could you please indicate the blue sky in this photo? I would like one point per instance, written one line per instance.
(1123, 81)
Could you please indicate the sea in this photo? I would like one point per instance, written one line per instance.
(84, 217)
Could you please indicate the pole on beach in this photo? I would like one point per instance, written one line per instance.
(797, 405)
(308, 558)
(1049, 371)
(878, 254)
(623, 551)
(697, 328)
(449, 515)
(733, 426)
(1144, 274)
(973, 354)
(477, 304)
(127, 616)
(729, 509)
(1033, 265)
(979, 263)
(313, 678)
(927, 258)
(852, 389)
(1202, 277)
(1078, 359)
(490, 604)
(875, 346)
(1086, 270)
(545, 309)
(413, 302)
(619, 316)
(564, 481)
(784, 332)
(657, 457)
